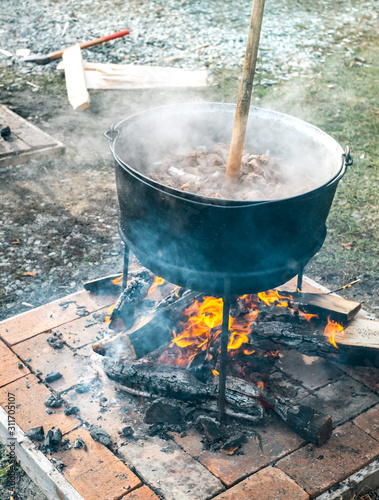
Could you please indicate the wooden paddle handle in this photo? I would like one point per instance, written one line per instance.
(233, 166)
(58, 54)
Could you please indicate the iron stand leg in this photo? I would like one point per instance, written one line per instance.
(126, 267)
(299, 287)
(223, 351)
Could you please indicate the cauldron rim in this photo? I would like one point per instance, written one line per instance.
(206, 200)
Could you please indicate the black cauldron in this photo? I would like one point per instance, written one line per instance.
(199, 242)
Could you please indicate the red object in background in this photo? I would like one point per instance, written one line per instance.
(58, 54)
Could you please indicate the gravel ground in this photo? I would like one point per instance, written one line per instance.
(296, 35)
(58, 215)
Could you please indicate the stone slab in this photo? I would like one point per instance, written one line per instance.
(11, 367)
(343, 399)
(267, 484)
(316, 469)
(272, 441)
(367, 375)
(311, 371)
(96, 473)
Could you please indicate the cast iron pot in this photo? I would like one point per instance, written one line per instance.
(203, 243)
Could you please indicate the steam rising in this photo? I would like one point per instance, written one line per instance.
(304, 157)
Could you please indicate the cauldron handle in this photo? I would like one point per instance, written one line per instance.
(348, 159)
(111, 134)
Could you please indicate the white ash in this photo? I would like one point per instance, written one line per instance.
(263, 177)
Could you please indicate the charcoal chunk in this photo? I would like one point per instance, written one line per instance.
(35, 433)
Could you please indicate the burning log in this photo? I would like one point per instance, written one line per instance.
(107, 284)
(243, 396)
(156, 380)
(310, 424)
(130, 297)
(324, 305)
(149, 332)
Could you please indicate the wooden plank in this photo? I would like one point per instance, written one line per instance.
(77, 92)
(35, 463)
(361, 332)
(339, 308)
(14, 147)
(24, 130)
(28, 140)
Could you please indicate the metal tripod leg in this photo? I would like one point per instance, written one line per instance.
(126, 267)
(224, 351)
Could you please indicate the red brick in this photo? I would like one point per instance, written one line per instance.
(46, 359)
(51, 315)
(267, 484)
(369, 422)
(144, 493)
(30, 409)
(276, 440)
(96, 473)
(316, 469)
(83, 331)
(173, 473)
(10, 370)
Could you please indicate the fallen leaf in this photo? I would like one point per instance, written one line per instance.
(30, 273)
(347, 246)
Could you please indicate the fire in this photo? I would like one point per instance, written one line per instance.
(107, 318)
(157, 282)
(273, 298)
(118, 280)
(307, 317)
(331, 330)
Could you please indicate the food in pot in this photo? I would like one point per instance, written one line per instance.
(202, 171)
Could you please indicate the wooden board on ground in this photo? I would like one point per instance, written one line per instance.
(361, 332)
(26, 140)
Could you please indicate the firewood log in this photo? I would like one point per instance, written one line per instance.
(150, 331)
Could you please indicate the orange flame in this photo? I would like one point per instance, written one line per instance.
(157, 282)
(107, 318)
(331, 330)
(272, 297)
(308, 317)
(116, 281)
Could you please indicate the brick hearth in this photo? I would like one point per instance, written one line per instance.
(279, 465)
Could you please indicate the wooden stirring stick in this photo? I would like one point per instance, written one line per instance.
(233, 166)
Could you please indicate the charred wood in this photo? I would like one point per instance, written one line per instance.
(233, 444)
(130, 297)
(150, 331)
(310, 424)
(156, 380)
(164, 410)
(338, 308)
(103, 285)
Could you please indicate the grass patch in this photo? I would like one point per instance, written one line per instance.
(341, 99)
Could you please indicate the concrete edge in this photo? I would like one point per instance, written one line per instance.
(37, 466)
(358, 483)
